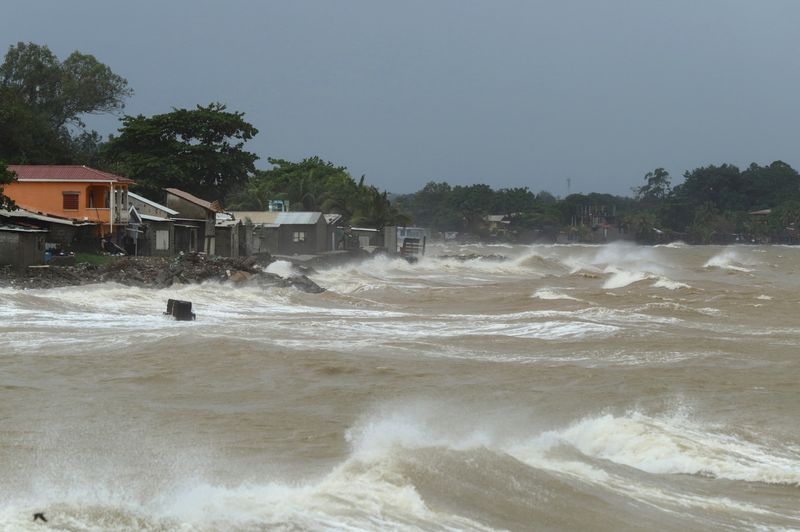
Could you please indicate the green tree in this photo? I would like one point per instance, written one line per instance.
(43, 99)
(656, 187)
(769, 186)
(642, 224)
(197, 150)
(374, 210)
(6, 177)
(62, 90)
(720, 186)
(27, 136)
(785, 217)
(473, 203)
(513, 201)
(317, 185)
(432, 206)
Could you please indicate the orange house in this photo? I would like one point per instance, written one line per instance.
(70, 191)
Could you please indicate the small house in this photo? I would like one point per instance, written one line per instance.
(195, 221)
(72, 192)
(150, 227)
(21, 246)
(60, 233)
(367, 237)
(302, 233)
(286, 233)
(227, 235)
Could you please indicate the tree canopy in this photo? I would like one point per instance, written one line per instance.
(198, 150)
(6, 177)
(656, 187)
(464, 208)
(43, 99)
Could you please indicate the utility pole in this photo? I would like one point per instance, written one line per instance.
(569, 185)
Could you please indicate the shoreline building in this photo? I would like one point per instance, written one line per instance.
(73, 192)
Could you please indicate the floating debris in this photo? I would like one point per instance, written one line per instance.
(180, 310)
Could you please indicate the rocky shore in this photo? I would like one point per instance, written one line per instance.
(156, 272)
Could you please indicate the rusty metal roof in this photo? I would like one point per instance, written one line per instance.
(210, 205)
(64, 172)
(256, 217)
(20, 229)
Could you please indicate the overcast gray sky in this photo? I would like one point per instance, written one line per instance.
(508, 93)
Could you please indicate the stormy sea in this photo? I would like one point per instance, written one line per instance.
(484, 387)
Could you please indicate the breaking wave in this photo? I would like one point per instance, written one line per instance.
(729, 259)
(550, 295)
(676, 445)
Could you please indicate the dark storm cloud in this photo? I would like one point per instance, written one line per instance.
(508, 93)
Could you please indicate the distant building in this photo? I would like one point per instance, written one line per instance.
(367, 237)
(287, 233)
(497, 221)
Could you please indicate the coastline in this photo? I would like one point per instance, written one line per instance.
(155, 272)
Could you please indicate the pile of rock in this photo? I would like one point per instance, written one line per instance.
(155, 272)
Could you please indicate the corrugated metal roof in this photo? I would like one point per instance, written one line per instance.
(151, 218)
(20, 229)
(22, 213)
(227, 223)
(298, 218)
(63, 172)
(278, 218)
(152, 203)
(332, 218)
(256, 217)
(210, 205)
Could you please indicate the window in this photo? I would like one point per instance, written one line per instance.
(162, 240)
(71, 201)
(299, 236)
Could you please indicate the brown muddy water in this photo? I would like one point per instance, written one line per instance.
(569, 387)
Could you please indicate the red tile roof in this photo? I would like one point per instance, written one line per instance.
(60, 172)
(211, 206)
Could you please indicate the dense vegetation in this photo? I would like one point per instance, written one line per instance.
(202, 151)
(317, 185)
(6, 177)
(198, 150)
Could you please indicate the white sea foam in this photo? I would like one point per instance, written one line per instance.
(669, 284)
(621, 278)
(729, 259)
(673, 445)
(284, 268)
(549, 294)
(353, 496)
